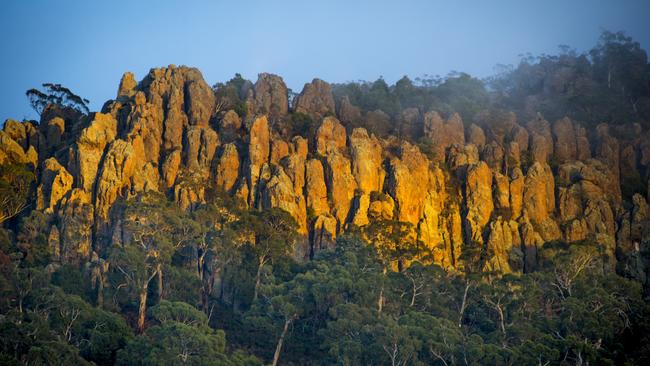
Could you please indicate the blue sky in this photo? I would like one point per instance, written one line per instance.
(87, 45)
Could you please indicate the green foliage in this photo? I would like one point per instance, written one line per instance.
(15, 184)
(56, 94)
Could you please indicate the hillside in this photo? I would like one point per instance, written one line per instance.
(318, 220)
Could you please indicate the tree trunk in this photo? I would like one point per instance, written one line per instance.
(100, 292)
(258, 278)
(463, 305)
(160, 282)
(380, 301)
(278, 348)
(142, 310)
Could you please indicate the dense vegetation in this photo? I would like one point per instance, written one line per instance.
(220, 285)
(194, 289)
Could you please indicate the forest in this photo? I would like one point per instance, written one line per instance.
(196, 273)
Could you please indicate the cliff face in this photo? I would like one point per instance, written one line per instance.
(505, 190)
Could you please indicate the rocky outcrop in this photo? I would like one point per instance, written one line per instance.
(56, 182)
(341, 185)
(504, 247)
(539, 200)
(366, 152)
(478, 201)
(200, 146)
(271, 96)
(506, 191)
(571, 141)
(89, 150)
(346, 111)
(315, 100)
(443, 134)
(258, 154)
(330, 136)
(316, 191)
(227, 170)
(476, 136)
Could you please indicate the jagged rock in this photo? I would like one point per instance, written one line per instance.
(503, 245)
(476, 136)
(531, 243)
(498, 125)
(299, 146)
(366, 161)
(443, 134)
(571, 141)
(410, 123)
(539, 200)
(501, 191)
(608, 151)
(200, 146)
(189, 191)
(382, 207)
(258, 154)
(539, 192)
(323, 233)
(540, 149)
(271, 96)
(89, 150)
(478, 200)
(279, 150)
(348, 112)
(632, 240)
(11, 151)
(519, 135)
(408, 178)
(462, 156)
(360, 210)
(315, 100)
(170, 167)
(76, 227)
(54, 130)
(330, 136)
(230, 123)
(315, 190)
(200, 102)
(512, 155)
(517, 183)
(56, 182)
(114, 178)
(594, 178)
(17, 132)
(127, 85)
(279, 192)
(493, 155)
(227, 171)
(341, 184)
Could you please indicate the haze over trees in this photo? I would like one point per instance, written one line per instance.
(436, 221)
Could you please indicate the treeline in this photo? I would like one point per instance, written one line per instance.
(220, 286)
(609, 83)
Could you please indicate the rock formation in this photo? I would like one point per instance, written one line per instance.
(507, 189)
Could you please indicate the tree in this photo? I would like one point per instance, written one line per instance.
(273, 232)
(142, 256)
(56, 94)
(15, 185)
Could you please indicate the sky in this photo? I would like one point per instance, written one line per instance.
(88, 45)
